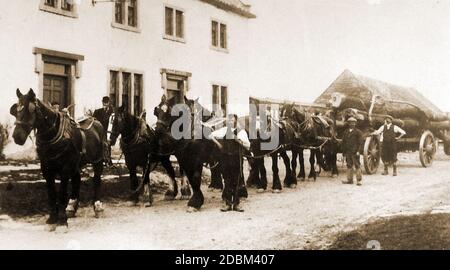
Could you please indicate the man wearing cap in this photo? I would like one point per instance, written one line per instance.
(103, 115)
(231, 160)
(388, 138)
(351, 141)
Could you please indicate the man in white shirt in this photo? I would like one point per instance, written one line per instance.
(232, 139)
(388, 138)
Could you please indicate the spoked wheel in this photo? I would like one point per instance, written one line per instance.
(427, 149)
(372, 155)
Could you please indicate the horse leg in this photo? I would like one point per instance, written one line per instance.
(134, 184)
(97, 181)
(301, 160)
(195, 179)
(276, 185)
(312, 162)
(253, 177)
(147, 170)
(172, 193)
(288, 181)
(72, 206)
(216, 179)
(294, 162)
(62, 203)
(262, 186)
(185, 189)
(52, 203)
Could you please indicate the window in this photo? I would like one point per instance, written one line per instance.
(175, 83)
(132, 13)
(126, 15)
(62, 7)
(114, 87)
(219, 36)
(50, 3)
(174, 24)
(220, 100)
(137, 94)
(126, 88)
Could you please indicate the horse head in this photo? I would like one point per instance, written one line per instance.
(163, 113)
(25, 112)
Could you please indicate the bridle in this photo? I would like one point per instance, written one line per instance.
(32, 127)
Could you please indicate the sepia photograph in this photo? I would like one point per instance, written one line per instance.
(225, 125)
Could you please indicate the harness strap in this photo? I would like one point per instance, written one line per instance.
(83, 142)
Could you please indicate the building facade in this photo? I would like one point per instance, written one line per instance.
(74, 52)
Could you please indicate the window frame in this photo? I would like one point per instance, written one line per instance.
(131, 94)
(218, 39)
(174, 24)
(125, 24)
(221, 87)
(58, 9)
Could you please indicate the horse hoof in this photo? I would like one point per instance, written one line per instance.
(62, 228)
(192, 209)
(71, 209)
(276, 191)
(169, 197)
(334, 176)
(98, 209)
(132, 203)
(51, 227)
(261, 190)
(293, 186)
(148, 204)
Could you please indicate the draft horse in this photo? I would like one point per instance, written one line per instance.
(63, 147)
(138, 146)
(316, 133)
(190, 153)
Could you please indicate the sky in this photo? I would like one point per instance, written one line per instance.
(299, 47)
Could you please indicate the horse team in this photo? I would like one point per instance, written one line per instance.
(65, 146)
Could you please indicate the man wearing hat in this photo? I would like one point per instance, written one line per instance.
(351, 141)
(388, 138)
(103, 115)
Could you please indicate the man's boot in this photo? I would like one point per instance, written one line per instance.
(395, 170)
(386, 172)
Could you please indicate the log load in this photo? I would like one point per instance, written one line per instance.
(396, 109)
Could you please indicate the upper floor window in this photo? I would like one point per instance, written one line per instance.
(174, 24)
(126, 15)
(219, 35)
(61, 7)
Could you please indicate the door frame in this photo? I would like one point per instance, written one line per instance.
(73, 61)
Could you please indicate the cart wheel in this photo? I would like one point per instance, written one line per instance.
(372, 155)
(427, 148)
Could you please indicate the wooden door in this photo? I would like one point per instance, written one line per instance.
(56, 90)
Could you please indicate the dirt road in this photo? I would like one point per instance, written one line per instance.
(308, 217)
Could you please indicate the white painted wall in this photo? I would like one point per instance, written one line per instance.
(24, 26)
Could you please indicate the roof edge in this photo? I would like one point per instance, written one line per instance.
(244, 12)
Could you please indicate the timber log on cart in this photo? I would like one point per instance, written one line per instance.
(370, 101)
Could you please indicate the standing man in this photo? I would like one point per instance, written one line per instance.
(388, 140)
(351, 142)
(232, 139)
(103, 115)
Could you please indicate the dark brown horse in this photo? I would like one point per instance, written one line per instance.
(191, 153)
(316, 134)
(63, 148)
(258, 177)
(138, 144)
